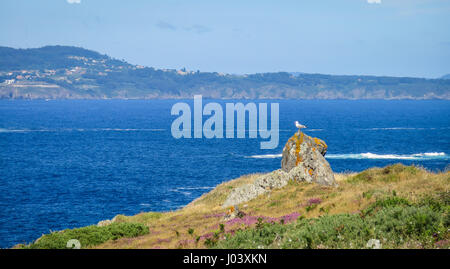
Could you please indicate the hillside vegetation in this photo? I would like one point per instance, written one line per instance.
(392, 207)
(56, 72)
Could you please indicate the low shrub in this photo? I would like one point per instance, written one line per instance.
(262, 236)
(390, 201)
(335, 231)
(400, 223)
(394, 220)
(89, 236)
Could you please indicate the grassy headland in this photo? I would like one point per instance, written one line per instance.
(401, 206)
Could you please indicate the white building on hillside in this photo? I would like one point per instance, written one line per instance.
(9, 81)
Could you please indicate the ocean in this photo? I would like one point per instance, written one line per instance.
(72, 163)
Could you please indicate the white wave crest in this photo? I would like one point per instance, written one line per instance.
(266, 156)
(11, 130)
(3, 130)
(194, 188)
(369, 155)
(125, 130)
(187, 190)
(403, 128)
(431, 154)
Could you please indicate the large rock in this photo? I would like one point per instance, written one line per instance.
(303, 158)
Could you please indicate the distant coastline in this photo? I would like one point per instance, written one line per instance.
(62, 72)
(45, 97)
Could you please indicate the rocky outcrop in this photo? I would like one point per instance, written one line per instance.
(106, 222)
(274, 180)
(303, 160)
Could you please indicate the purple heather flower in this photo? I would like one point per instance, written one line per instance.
(314, 201)
(291, 217)
(186, 241)
(217, 215)
(162, 240)
(207, 235)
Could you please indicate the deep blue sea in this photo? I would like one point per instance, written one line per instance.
(67, 163)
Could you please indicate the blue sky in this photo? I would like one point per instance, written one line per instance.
(386, 37)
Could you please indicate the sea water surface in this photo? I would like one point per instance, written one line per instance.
(72, 163)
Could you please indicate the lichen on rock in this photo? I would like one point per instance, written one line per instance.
(274, 180)
(303, 160)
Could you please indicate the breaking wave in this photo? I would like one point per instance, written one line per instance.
(266, 156)
(3, 130)
(404, 128)
(369, 155)
(188, 190)
(194, 188)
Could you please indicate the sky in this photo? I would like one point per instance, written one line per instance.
(346, 37)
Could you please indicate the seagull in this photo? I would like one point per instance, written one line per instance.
(299, 126)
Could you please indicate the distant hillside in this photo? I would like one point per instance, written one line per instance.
(56, 72)
(51, 57)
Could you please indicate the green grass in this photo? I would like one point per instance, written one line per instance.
(389, 201)
(89, 236)
(139, 218)
(395, 221)
(391, 173)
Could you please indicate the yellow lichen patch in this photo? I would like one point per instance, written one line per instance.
(231, 210)
(320, 142)
(310, 171)
(297, 148)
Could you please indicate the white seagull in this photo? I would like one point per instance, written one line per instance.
(299, 126)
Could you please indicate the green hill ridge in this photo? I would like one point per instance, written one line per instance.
(63, 72)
